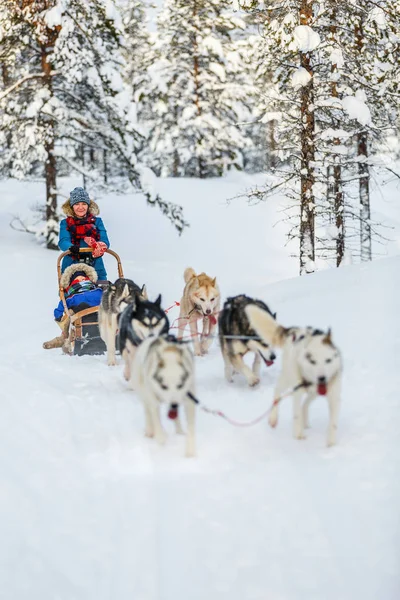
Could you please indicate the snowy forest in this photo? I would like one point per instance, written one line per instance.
(304, 91)
(200, 223)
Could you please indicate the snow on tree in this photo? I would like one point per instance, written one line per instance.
(67, 96)
(197, 91)
(329, 95)
(136, 49)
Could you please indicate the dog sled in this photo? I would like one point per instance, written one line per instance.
(84, 335)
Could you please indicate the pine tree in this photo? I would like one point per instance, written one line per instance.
(67, 98)
(325, 81)
(198, 90)
(136, 49)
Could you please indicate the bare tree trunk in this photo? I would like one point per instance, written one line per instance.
(337, 187)
(272, 158)
(92, 158)
(307, 176)
(105, 166)
(175, 164)
(50, 164)
(83, 165)
(339, 213)
(6, 83)
(200, 161)
(365, 210)
(363, 172)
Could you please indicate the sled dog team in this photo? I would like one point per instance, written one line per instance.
(160, 367)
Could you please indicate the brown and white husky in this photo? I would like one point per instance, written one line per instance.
(200, 300)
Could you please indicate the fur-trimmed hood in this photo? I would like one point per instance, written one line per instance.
(69, 271)
(68, 212)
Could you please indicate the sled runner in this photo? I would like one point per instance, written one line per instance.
(84, 336)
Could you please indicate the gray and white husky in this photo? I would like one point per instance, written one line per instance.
(309, 357)
(163, 373)
(116, 297)
(237, 338)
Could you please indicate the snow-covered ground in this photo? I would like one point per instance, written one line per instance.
(91, 510)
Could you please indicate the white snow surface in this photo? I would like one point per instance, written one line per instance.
(91, 510)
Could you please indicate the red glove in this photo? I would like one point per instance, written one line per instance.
(98, 248)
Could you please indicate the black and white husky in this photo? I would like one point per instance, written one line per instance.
(237, 337)
(162, 373)
(139, 321)
(116, 297)
(309, 357)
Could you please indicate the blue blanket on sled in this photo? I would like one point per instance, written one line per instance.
(92, 298)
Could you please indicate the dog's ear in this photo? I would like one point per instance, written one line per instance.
(274, 315)
(158, 300)
(328, 338)
(125, 291)
(214, 281)
(143, 292)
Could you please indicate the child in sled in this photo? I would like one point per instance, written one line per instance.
(79, 284)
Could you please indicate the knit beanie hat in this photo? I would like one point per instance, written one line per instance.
(78, 194)
(77, 274)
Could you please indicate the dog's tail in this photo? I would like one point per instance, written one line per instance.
(265, 326)
(188, 274)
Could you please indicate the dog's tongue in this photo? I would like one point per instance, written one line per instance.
(322, 389)
(172, 413)
(269, 363)
(212, 319)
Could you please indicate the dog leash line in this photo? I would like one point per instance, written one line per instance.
(219, 413)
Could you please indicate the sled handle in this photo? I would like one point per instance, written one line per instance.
(82, 251)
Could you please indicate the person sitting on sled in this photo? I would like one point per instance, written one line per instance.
(79, 284)
(82, 228)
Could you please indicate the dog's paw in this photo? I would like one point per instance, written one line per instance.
(112, 363)
(149, 434)
(161, 438)
(253, 381)
(299, 435)
(273, 420)
(190, 451)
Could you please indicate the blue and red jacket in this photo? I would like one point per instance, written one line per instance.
(65, 242)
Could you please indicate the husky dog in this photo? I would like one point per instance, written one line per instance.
(163, 373)
(115, 299)
(237, 337)
(139, 321)
(200, 300)
(309, 357)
